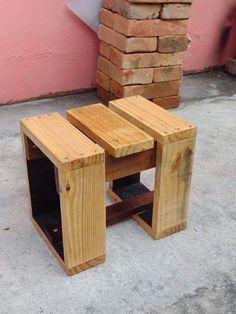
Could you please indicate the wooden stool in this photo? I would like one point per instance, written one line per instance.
(129, 150)
(66, 177)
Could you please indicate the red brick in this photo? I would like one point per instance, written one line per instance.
(161, 1)
(144, 60)
(231, 66)
(141, 11)
(104, 49)
(164, 74)
(175, 11)
(167, 102)
(103, 80)
(148, 28)
(107, 18)
(104, 95)
(127, 76)
(149, 91)
(125, 44)
(172, 43)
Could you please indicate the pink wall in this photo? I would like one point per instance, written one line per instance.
(209, 19)
(44, 48)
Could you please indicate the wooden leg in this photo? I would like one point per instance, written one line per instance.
(82, 197)
(172, 187)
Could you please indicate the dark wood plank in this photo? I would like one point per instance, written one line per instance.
(126, 188)
(123, 210)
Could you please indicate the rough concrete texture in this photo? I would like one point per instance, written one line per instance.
(193, 271)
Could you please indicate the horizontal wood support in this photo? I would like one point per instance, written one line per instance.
(123, 210)
(124, 166)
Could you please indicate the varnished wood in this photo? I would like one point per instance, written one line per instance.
(67, 190)
(83, 214)
(124, 209)
(31, 150)
(172, 185)
(175, 139)
(164, 126)
(74, 270)
(124, 166)
(116, 135)
(61, 142)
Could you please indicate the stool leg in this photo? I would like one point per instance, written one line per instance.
(172, 187)
(82, 197)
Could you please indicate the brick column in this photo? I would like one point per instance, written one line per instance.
(142, 46)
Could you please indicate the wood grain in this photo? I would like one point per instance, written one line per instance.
(123, 210)
(116, 135)
(162, 125)
(61, 142)
(83, 214)
(172, 186)
(124, 166)
(65, 161)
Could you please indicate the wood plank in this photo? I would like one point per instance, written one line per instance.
(31, 150)
(172, 187)
(162, 125)
(116, 135)
(124, 166)
(62, 143)
(82, 198)
(123, 210)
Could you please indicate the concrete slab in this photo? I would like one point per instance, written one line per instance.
(193, 271)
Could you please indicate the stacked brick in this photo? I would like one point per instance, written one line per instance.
(142, 44)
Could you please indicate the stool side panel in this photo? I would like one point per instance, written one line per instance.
(25, 154)
(62, 143)
(172, 186)
(83, 214)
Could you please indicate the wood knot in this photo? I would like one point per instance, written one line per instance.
(176, 163)
(67, 187)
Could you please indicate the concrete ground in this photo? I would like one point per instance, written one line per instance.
(193, 271)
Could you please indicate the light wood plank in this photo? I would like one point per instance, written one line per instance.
(115, 134)
(82, 200)
(172, 187)
(164, 126)
(61, 142)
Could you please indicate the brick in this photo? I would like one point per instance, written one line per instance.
(161, 1)
(107, 18)
(104, 49)
(145, 60)
(103, 80)
(104, 95)
(135, 11)
(167, 102)
(125, 44)
(149, 28)
(149, 91)
(126, 76)
(175, 11)
(231, 66)
(164, 74)
(172, 43)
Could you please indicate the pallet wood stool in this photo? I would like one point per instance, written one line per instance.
(66, 177)
(130, 150)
